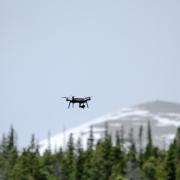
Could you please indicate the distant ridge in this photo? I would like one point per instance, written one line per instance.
(164, 118)
(160, 106)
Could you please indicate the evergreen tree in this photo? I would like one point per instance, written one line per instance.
(178, 171)
(80, 159)
(122, 132)
(64, 168)
(117, 158)
(141, 145)
(140, 139)
(9, 153)
(177, 154)
(178, 145)
(3, 159)
(70, 159)
(102, 158)
(149, 169)
(11, 143)
(27, 165)
(149, 146)
(91, 138)
(3, 145)
(132, 148)
(116, 150)
(88, 156)
(106, 149)
(132, 170)
(102, 161)
(170, 167)
(58, 163)
(47, 164)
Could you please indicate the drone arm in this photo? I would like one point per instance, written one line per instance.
(87, 104)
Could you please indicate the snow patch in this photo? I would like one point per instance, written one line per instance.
(166, 121)
(114, 120)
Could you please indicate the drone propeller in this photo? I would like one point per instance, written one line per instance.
(68, 98)
(89, 97)
(65, 98)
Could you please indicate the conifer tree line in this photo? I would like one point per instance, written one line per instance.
(104, 160)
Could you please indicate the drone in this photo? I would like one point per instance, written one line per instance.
(81, 101)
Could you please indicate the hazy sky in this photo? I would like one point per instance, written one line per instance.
(120, 52)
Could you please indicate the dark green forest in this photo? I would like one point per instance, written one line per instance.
(104, 160)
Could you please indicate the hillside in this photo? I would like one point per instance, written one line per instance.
(163, 116)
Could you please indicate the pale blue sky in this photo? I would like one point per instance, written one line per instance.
(121, 52)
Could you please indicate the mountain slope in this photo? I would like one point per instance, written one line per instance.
(163, 116)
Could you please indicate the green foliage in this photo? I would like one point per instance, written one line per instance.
(70, 159)
(103, 161)
(117, 157)
(8, 154)
(170, 162)
(149, 169)
(88, 167)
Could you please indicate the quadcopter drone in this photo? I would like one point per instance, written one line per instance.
(81, 101)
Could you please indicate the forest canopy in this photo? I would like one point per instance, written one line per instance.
(104, 160)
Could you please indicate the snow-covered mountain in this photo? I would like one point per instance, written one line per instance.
(163, 116)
